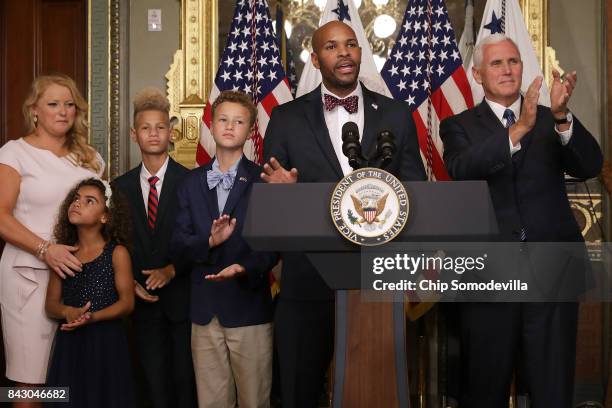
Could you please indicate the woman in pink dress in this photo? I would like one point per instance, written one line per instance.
(36, 173)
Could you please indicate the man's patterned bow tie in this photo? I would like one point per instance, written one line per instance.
(350, 104)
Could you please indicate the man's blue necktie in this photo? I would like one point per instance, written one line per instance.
(509, 116)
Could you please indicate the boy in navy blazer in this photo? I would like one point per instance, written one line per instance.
(231, 305)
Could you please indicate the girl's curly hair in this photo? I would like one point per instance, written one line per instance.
(118, 228)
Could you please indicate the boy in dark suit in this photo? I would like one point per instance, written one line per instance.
(161, 315)
(231, 305)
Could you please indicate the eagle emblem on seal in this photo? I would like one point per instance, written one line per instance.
(370, 208)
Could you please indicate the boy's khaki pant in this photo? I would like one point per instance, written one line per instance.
(230, 361)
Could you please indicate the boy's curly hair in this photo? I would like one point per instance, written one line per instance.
(236, 97)
(150, 99)
(118, 228)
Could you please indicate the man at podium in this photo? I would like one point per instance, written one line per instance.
(305, 135)
(522, 150)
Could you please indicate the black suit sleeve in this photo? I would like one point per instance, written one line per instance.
(581, 157)
(411, 166)
(467, 158)
(181, 264)
(186, 244)
(257, 266)
(275, 142)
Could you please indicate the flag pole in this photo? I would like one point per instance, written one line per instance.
(282, 37)
(255, 136)
(429, 151)
(503, 16)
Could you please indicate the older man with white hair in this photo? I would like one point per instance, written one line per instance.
(523, 151)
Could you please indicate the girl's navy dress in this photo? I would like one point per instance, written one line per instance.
(93, 360)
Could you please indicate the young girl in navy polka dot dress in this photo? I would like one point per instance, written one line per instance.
(90, 354)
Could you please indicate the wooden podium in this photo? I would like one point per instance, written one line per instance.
(370, 363)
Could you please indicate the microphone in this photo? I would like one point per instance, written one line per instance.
(385, 147)
(351, 147)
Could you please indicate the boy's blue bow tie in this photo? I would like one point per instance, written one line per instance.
(214, 177)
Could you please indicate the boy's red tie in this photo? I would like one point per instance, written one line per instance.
(152, 202)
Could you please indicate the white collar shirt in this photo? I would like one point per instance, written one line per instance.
(499, 110)
(337, 117)
(144, 181)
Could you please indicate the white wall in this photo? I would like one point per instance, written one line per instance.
(576, 34)
(150, 52)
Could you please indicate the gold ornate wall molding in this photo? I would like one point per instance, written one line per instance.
(103, 92)
(192, 74)
(535, 13)
(98, 44)
(114, 112)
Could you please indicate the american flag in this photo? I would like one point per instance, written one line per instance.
(251, 63)
(425, 70)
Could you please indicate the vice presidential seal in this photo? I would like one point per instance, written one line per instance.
(369, 206)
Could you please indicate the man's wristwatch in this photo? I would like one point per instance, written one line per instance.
(566, 119)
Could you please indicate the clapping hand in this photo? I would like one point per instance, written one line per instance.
(158, 278)
(560, 92)
(273, 172)
(529, 110)
(230, 272)
(143, 294)
(76, 317)
(221, 229)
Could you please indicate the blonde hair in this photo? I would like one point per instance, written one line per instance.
(236, 97)
(81, 152)
(151, 99)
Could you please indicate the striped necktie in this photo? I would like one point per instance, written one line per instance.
(152, 202)
(510, 118)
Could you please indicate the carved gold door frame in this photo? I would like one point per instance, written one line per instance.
(535, 13)
(193, 70)
(191, 74)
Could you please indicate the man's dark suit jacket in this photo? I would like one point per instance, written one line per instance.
(527, 189)
(151, 249)
(297, 136)
(243, 301)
